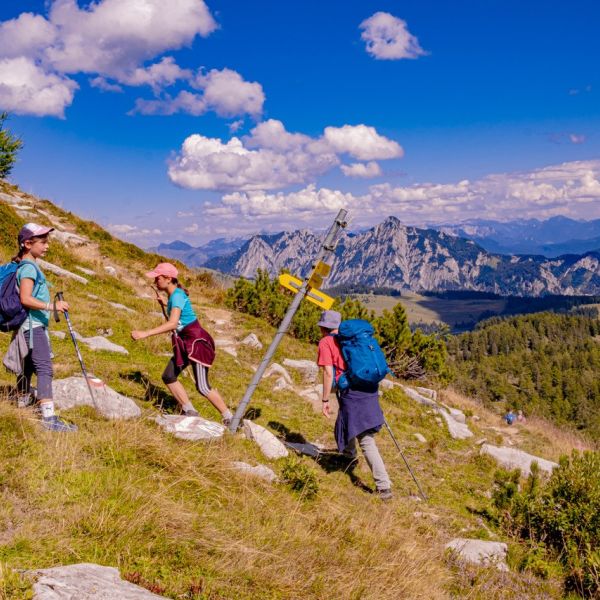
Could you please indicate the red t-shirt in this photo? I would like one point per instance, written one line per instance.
(330, 355)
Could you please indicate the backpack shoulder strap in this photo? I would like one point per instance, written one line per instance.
(38, 272)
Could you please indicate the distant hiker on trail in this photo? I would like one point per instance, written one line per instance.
(360, 416)
(510, 417)
(521, 417)
(31, 340)
(192, 345)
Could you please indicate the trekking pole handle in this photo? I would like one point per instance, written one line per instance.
(58, 296)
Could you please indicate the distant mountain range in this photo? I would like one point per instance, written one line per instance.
(407, 258)
(550, 238)
(198, 256)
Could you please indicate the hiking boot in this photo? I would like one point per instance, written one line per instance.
(25, 400)
(385, 495)
(54, 423)
(192, 412)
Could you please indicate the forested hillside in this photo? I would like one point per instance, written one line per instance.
(546, 364)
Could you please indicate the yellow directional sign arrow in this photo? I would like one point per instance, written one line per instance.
(315, 296)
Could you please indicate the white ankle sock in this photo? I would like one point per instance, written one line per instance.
(227, 414)
(47, 409)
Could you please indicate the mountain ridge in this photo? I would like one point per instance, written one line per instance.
(406, 257)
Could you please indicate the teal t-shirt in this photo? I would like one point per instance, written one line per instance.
(39, 318)
(179, 299)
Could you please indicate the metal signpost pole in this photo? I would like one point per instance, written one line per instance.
(326, 250)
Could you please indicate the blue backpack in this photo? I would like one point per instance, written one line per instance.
(365, 361)
(12, 312)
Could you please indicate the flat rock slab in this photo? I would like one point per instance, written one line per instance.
(269, 445)
(69, 239)
(73, 391)
(305, 448)
(60, 271)
(121, 307)
(480, 552)
(191, 428)
(85, 581)
(511, 458)
(420, 437)
(457, 429)
(98, 342)
(307, 368)
(261, 471)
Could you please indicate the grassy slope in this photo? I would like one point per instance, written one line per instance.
(174, 516)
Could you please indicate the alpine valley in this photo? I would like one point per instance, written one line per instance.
(408, 258)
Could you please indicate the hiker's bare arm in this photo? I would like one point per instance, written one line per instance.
(327, 383)
(170, 325)
(28, 301)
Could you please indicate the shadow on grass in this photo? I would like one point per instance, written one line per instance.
(329, 460)
(153, 393)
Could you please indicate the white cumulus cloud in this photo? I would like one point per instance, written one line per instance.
(363, 170)
(119, 43)
(224, 92)
(272, 157)
(387, 38)
(25, 88)
(362, 142)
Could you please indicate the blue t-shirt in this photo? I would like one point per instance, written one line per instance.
(39, 318)
(179, 299)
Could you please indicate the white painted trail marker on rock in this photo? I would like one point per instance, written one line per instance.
(307, 289)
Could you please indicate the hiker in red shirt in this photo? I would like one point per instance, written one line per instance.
(360, 416)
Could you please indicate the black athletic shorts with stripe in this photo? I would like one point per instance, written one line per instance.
(172, 372)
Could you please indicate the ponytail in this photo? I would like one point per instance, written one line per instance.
(176, 282)
(19, 256)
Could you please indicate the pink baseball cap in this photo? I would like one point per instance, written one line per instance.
(166, 269)
(31, 230)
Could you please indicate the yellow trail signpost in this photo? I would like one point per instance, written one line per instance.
(309, 289)
(312, 295)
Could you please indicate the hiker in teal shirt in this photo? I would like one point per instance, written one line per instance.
(179, 299)
(35, 297)
(192, 345)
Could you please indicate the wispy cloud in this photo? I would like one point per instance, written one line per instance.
(571, 189)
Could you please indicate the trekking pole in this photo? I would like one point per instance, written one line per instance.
(404, 459)
(60, 296)
(162, 306)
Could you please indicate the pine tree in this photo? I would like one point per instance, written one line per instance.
(9, 147)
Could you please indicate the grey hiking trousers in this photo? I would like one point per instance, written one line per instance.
(367, 444)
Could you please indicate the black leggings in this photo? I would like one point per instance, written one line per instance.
(172, 372)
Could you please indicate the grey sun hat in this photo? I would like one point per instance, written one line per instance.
(330, 319)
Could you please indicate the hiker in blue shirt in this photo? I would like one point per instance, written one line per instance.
(34, 294)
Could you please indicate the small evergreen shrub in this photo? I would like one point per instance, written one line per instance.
(300, 478)
(559, 517)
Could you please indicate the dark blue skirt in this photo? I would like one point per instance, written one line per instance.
(359, 412)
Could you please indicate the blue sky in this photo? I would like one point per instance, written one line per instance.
(466, 109)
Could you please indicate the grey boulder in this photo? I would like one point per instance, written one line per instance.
(307, 368)
(98, 342)
(480, 552)
(73, 391)
(85, 581)
(269, 445)
(261, 471)
(511, 458)
(252, 341)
